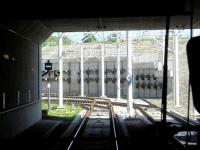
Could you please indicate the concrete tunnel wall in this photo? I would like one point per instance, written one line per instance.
(19, 83)
(93, 88)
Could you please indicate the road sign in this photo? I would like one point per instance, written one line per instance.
(48, 66)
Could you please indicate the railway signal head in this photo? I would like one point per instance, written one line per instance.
(56, 73)
(48, 66)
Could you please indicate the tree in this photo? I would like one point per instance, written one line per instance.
(89, 38)
(66, 40)
(112, 38)
(53, 41)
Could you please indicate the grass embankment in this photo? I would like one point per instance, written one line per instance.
(68, 112)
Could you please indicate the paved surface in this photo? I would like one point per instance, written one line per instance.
(42, 135)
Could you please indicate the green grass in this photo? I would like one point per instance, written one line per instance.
(65, 113)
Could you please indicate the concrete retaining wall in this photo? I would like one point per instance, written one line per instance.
(152, 87)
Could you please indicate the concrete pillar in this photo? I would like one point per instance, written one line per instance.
(60, 59)
(118, 71)
(176, 71)
(102, 72)
(129, 75)
(82, 76)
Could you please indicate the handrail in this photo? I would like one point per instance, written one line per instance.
(19, 107)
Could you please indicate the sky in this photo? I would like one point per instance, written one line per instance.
(77, 36)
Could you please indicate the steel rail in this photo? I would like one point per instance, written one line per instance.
(113, 125)
(173, 115)
(106, 103)
(179, 119)
(149, 117)
(81, 125)
(89, 100)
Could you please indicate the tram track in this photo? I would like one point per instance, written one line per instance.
(96, 129)
(107, 105)
(103, 103)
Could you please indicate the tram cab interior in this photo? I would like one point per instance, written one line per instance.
(23, 34)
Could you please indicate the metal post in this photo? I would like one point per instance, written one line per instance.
(106, 92)
(70, 82)
(122, 77)
(163, 48)
(114, 89)
(102, 72)
(18, 98)
(88, 81)
(49, 92)
(176, 72)
(82, 75)
(118, 71)
(60, 58)
(98, 78)
(129, 75)
(4, 100)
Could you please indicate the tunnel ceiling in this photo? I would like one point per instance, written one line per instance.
(40, 30)
(31, 29)
(116, 23)
(39, 27)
